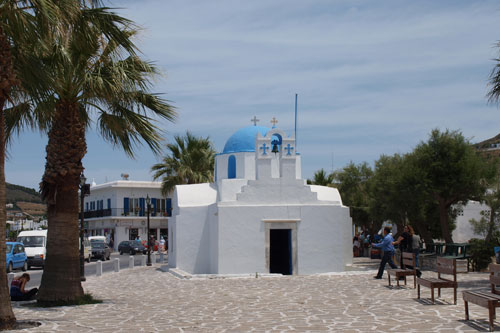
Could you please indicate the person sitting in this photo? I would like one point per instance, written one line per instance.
(17, 289)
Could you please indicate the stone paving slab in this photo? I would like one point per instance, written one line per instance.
(146, 299)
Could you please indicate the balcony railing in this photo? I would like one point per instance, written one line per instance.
(122, 212)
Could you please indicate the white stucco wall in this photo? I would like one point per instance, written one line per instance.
(192, 240)
(228, 188)
(195, 195)
(463, 231)
(326, 193)
(323, 236)
(245, 165)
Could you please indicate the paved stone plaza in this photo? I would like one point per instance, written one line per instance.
(146, 299)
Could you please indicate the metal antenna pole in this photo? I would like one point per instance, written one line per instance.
(295, 122)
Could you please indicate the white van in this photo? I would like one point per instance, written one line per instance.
(97, 238)
(35, 245)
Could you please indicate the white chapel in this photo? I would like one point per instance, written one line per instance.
(259, 216)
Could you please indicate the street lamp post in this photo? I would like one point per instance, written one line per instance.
(148, 203)
(84, 189)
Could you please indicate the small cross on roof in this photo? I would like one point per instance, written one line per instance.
(254, 120)
(274, 121)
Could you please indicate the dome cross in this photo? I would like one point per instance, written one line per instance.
(274, 121)
(254, 120)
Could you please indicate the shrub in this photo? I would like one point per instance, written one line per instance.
(480, 253)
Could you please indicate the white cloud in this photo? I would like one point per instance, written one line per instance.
(373, 77)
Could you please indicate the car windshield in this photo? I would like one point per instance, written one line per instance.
(135, 243)
(32, 241)
(97, 245)
(9, 247)
(97, 241)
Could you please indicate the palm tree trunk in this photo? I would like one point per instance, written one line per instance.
(7, 80)
(7, 318)
(65, 151)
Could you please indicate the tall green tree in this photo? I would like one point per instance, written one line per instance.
(321, 177)
(452, 171)
(399, 195)
(353, 184)
(24, 27)
(96, 77)
(190, 160)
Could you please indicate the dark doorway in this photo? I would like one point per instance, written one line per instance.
(281, 251)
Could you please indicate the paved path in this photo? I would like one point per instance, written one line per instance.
(146, 299)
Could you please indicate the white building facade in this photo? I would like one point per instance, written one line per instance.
(259, 216)
(118, 210)
(464, 231)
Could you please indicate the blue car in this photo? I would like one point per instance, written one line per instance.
(16, 256)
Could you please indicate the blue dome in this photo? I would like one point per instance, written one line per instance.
(244, 139)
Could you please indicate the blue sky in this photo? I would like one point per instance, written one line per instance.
(373, 77)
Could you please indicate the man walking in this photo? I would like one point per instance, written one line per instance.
(388, 248)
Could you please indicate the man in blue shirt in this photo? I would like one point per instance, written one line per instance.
(388, 248)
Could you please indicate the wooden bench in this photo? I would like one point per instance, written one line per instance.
(409, 268)
(487, 299)
(444, 266)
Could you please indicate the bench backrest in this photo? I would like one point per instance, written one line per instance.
(447, 266)
(494, 277)
(451, 249)
(409, 260)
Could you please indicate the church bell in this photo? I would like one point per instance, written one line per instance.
(275, 148)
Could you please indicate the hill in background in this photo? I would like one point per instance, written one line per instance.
(25, 200)
(17, 193)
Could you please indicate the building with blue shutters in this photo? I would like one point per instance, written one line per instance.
(118, 209)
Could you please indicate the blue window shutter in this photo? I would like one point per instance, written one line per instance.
(215, 170)
(169, 207)
(154, 206)
(87, 206)
(125, 206)
(231, 167)
(109, 203)
(141, 205)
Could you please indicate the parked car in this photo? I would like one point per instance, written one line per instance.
(87, 250)
(132, 247)
(35, 242)
(100, 250)
(16, 257)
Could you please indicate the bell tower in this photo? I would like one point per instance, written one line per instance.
(275, 155)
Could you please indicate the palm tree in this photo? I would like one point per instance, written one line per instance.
(494, 93)
(322, 178)
(96, 76)
(190, 161)
(24, 27)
